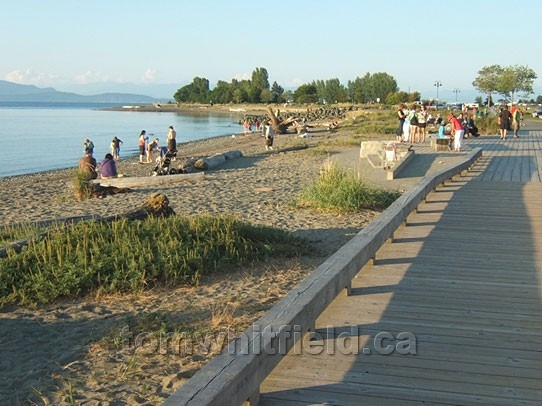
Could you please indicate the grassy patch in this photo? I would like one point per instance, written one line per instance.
(130, 256)
(344, 192)
(82, 184)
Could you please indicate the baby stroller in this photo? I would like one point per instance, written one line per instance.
(163, 164)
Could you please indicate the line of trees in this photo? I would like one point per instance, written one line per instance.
(370, 88)
(377, 87)
(506, 81)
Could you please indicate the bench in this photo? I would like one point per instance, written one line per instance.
(440, 144)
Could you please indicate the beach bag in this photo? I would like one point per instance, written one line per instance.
(414, 119)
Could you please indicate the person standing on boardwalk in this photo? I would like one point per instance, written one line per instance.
(516, 121)
(504, 121)
(401, 115)
(422, 123)
(142, 145)
(457, 130)
(171, 139)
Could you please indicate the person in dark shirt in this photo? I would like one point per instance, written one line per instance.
(504, 121)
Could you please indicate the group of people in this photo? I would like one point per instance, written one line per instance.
(108, 167)
(88, 166)
(509, 120)
(413, 126)
(412, 123)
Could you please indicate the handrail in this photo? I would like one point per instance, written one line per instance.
(235, 375)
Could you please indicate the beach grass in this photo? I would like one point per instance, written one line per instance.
(344, 192)
(130, 256)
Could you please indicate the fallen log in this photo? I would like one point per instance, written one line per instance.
(157, 205)
(146, 181)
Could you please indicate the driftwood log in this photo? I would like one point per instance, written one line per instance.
(157, 205)
(150, 181)
(279, 127)
(97, 190)
(216, 160)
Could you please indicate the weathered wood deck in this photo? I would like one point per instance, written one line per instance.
(462, 279)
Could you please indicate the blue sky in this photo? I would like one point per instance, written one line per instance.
(63, 44)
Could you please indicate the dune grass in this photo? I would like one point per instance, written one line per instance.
(130, 256)
(341, 191)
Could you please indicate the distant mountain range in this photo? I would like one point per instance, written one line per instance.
(14, 92)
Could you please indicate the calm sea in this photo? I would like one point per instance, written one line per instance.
(43, 136)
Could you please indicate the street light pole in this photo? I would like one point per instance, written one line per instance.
(438, 84)
(456, 91)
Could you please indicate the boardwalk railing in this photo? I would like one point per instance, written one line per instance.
(235, 375)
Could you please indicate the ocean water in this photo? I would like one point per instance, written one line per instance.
(46, 136)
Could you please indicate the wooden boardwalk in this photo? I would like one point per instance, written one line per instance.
(461, 281)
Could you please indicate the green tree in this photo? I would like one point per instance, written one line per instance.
(515, 79)
(276, 93)
(259, 83)
(331, 91)
(372, 87)
(195, 92)
(306, 94)
(487, 81)
(222, 93)
(396, 98)
(355, 90)
(380, 86)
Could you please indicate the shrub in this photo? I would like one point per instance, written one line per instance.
(338, 190)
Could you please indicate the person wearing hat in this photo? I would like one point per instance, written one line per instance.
(457, 131)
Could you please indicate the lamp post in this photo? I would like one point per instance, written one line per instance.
(438, 84)
(456, 91)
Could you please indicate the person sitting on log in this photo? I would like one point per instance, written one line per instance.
(109, 168)
(87, 165)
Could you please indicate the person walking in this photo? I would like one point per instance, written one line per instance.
(516, 121)
(142, 145)
(171, 139)
(457, 131)
(504, 121)
(269, 136)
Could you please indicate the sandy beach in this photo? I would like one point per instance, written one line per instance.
(75, 352)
